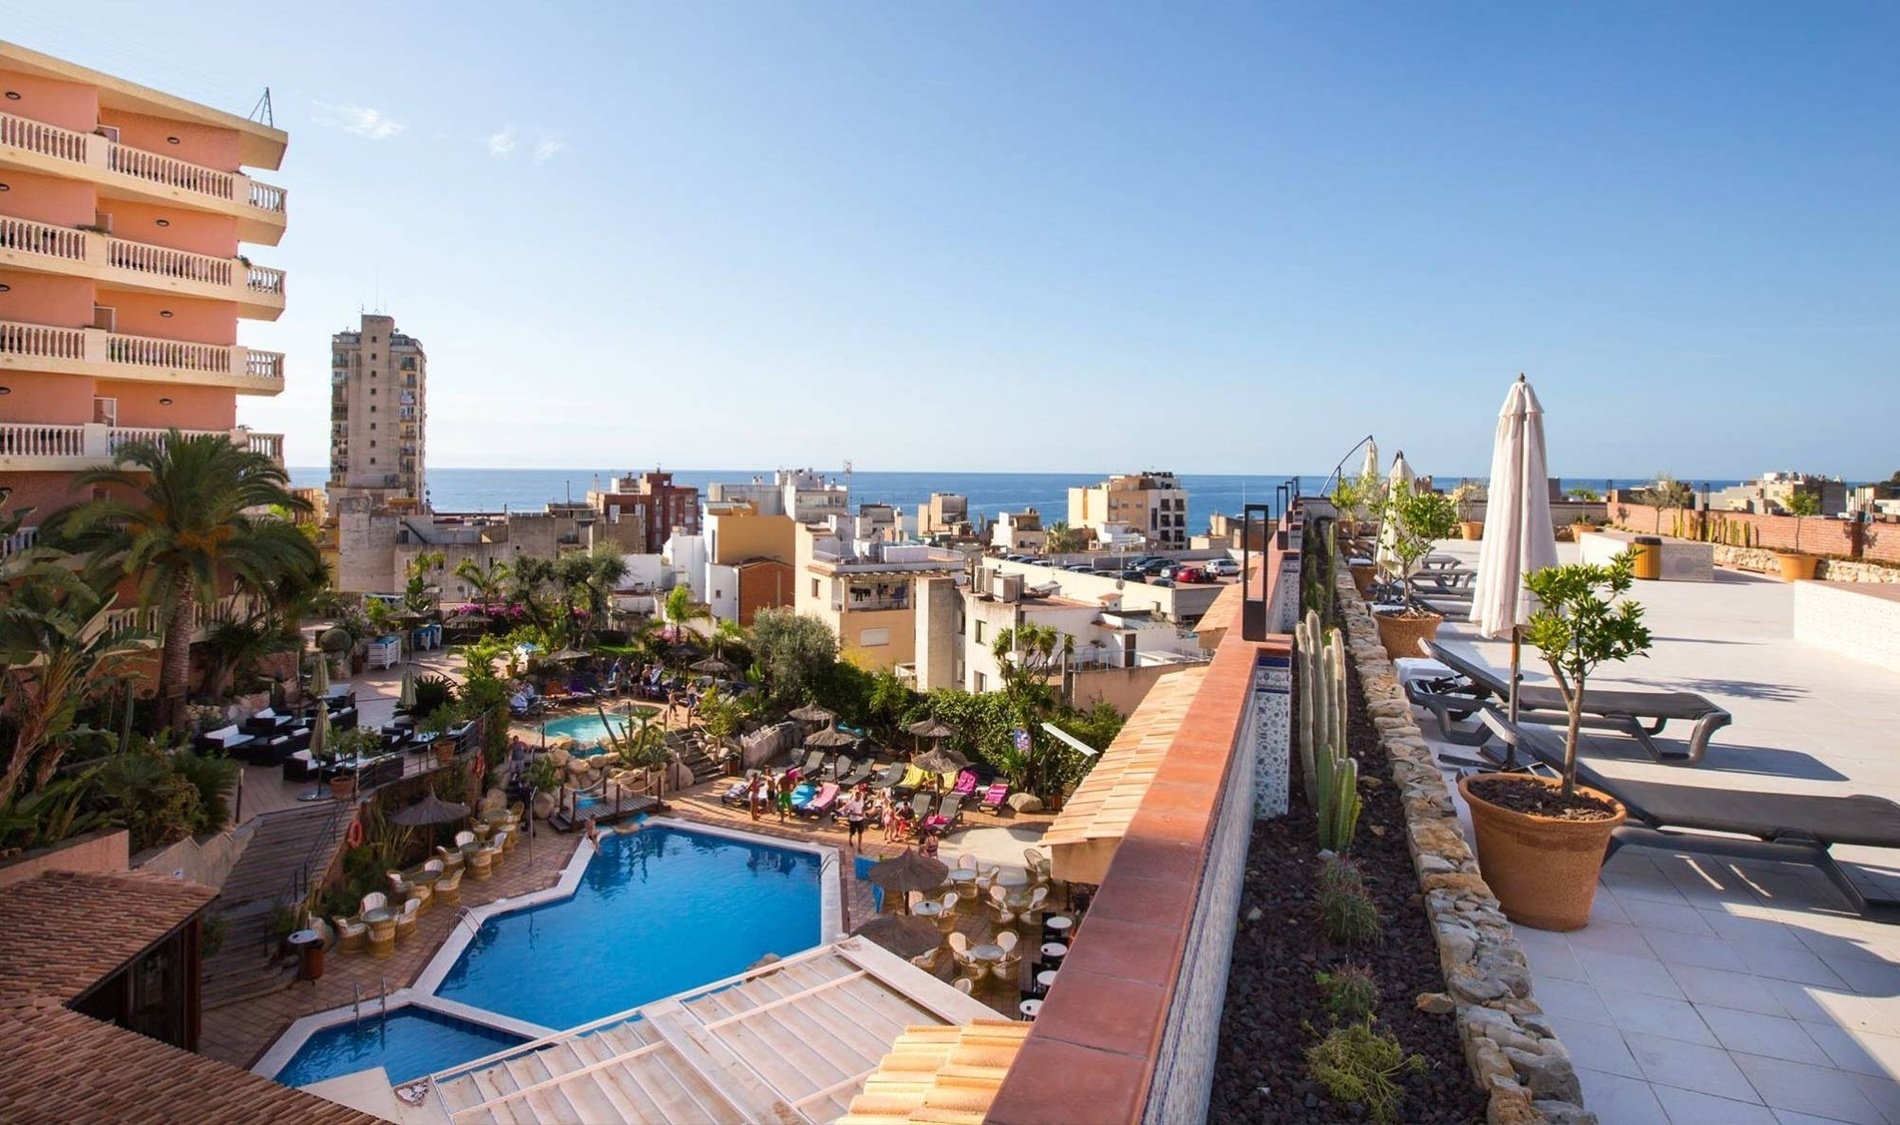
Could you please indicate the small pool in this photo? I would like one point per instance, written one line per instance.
(657, 912)
(584, 729)
(409, 1043)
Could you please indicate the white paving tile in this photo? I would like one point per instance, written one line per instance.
(1875, 1055)
(1869, 978)
(1883, 1092)
(1550, 955)
(1651, 916)
(1690, 1066)
(1790, 1117)
(1597, 1047)
(1783, 963)
(1701, 950)
(1758, 1034)
(1722, 989)
(1659, 1015)
(1606, 937)
(1687, 1107)
(1619, 1100)
(1822, 1091)
(1571, 1000)
(1631, 974)
(1751, 931)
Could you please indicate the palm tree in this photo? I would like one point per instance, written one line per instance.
(59, 652)
(235, 646)
(680, 609)
(182, 518)
(486, 580)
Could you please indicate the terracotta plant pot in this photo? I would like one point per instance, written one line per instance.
(1401, 632)
(1796, 567)
(444, 751)
(1543, 869)
(1362, 577)
(342, 788)
(1471, 529)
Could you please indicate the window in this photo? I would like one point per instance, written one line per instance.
(979, 631)
(372, 425)
(814, 587)
(372, 355)
(874, 638)
(980, 682)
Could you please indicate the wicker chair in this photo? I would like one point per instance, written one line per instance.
(448, 889)
(481, 864)
(350, 934)
(382, 938)
(406, 920)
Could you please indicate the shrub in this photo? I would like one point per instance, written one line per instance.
(432, 694)
(1338, 873)
(215, 777)
(1351, 917)
(1349, 992)
(1357, 1064)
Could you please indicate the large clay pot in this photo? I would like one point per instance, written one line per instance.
(1401, 632)
(1362, 577)
(1543, 870)
(1796, 567)
(1471, 529)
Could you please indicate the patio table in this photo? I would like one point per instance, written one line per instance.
(1045, 978)
(1010, 877)
(1017, 897)
(1056, 927)
(1053, 952)
(986, 953)
(927, 909)
(497, 818)
(962, 877)
(422, 878)
(1030, 1009)
(377, 917)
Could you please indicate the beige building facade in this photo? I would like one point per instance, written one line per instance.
(867, 592)
(1153, 505)
(379, 381)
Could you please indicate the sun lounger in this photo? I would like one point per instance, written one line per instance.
(994, 797)
(920, 806)
(858, 775)
(892, 774)
(1451, 704)
(822, 804)
(1787, 827)
(838, 767)
(803, 796)
(950, 812)
(914, 779)
(735, 794)
(965, 784)
(814, 762)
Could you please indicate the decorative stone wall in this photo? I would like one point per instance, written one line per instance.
(1512, 1050)
(1828, 570)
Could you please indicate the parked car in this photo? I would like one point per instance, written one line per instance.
(1224, 568)
(1132, 575)
(1189, 574)
(1080, 568)
(1155, 567)
(1160, 581)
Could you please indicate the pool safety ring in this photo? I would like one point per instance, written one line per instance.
(354, 837)
(481, 766)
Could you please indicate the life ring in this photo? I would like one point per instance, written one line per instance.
(481, 766)
(354, 837)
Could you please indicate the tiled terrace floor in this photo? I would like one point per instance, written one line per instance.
(1707, 991)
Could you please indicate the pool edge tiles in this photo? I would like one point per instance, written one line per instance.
(830, 902)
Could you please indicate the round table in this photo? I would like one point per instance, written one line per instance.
(422, 878)
(986, 953)
(496, 818)
(1056, 927)
(1045, 978)
(1029, 1009)
(377, 917)
(962, 877)
(1012, 877)
(927, 909)
(1053, 952)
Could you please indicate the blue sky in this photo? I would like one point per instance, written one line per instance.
(1032, 237)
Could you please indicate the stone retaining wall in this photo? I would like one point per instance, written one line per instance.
(1513, 1051)
(1831, 570)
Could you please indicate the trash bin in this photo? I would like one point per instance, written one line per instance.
(309, 947)
(1648, 556)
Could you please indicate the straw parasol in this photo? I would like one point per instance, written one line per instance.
(1518, 537)
(812, 713)
(430, 810)
(905, 936)
(407, 697)
(711, 666)
(908, 872)
(941, 761)
(932, 729)
(465, 621)
(565, 656)
(830, 736)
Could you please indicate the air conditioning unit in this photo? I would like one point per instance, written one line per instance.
(1009, 587)
(984, 575)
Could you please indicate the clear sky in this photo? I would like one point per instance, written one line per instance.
(1036, 236)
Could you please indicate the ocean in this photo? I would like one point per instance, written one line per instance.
(492, 490)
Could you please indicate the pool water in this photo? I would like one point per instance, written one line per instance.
(409, 1043)
(584, 729)
(657, 912)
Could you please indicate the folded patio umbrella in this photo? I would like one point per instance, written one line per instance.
(430, 810)
(407, 697)
(320, 674)
(1518, 536)
(1387, 557)
(901, 934)
(812, 713)
(908, 872)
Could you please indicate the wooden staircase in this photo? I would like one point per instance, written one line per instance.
(792, 1043)
(287, 849)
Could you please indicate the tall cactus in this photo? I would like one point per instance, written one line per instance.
(1331, 774)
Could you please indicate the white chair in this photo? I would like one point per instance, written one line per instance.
(406, 920)
(966, 862)
(986, 877)
(398, 886)
(464, 838)
(950, 906)
(960, 955)
(451, 860)
(349, 934)
(1006, 941)
(927, 961)
(375, 900)
(911, 900)
(1037, 898)
(963, 985)
(448, 889)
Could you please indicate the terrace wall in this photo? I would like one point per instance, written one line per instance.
(104, 852)
(1875, 541)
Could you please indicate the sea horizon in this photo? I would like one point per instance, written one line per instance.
(989, 493)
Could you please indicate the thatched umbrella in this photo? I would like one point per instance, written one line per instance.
(466, 621)
(908, 872)
(905, 936)
(430, 810)
(941, 761)
(932, 728)
(711, 666)
(829, 737)
(812, 713)
(565, 656)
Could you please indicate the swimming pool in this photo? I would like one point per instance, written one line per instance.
(584, 729)
(656, 912)
(408, 1043)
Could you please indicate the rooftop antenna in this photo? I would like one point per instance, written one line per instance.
(847, 475)
(261, 112)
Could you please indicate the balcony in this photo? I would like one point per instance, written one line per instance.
(44, 248)
(21, 540)
(27, 447)
(123, 172)
(115, 355)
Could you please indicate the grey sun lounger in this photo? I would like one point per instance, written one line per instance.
(1785, 827)
(892, 774)
(860, 774)
(1452, 704)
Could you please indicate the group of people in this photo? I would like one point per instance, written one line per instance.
(861, 807)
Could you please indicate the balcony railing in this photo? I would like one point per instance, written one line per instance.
(60, 347)
(21, 540)
(95, 443)
(98, 152)
(142, 263)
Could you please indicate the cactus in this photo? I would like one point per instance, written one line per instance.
(1331, 774)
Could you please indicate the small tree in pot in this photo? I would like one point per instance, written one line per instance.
(1414, 522)
(1796, 566)
(1541, 842)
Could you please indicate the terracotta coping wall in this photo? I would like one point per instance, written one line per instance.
(1129, 1032)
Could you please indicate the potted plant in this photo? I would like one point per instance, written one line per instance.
(1795, 566)
(1416, 520)
(1541, 841)
(1466, 497)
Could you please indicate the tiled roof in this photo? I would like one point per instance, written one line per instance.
(1108, 797)
(62, 932)
(68, 1068)
(947, 1075)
